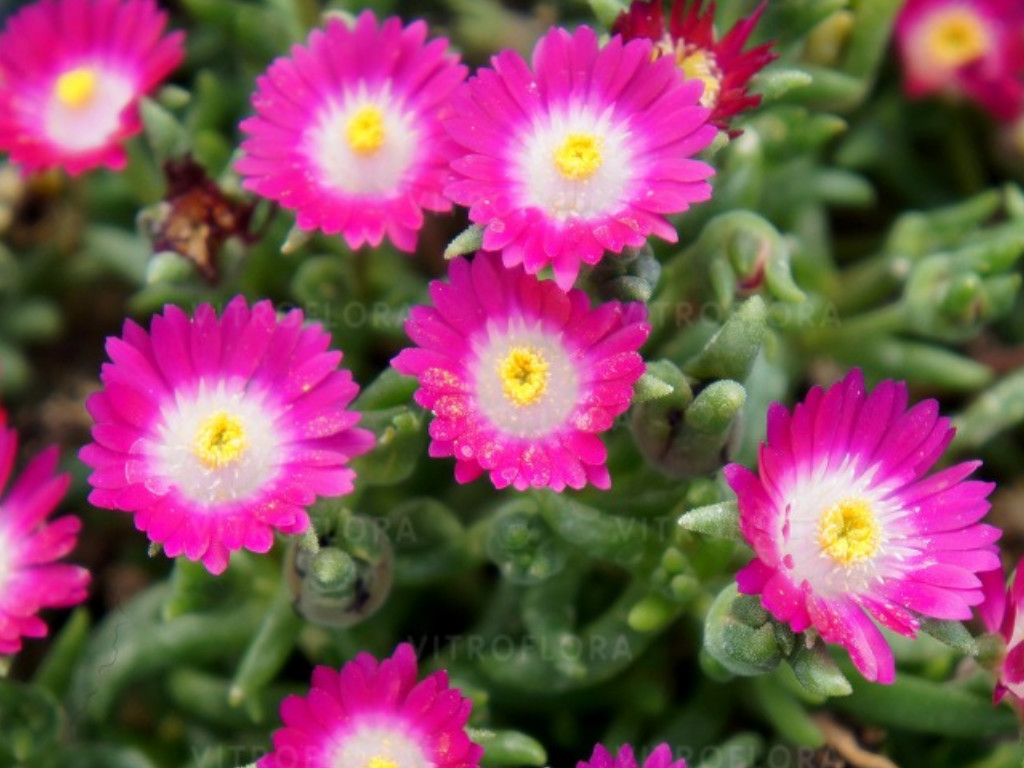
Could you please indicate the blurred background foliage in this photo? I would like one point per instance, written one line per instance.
(848, 227)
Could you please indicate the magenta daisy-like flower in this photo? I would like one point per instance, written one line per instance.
(348, 133)
(522, 377)
(71, 76)
(215, 432)
(972, 48)
(30, 580)
(375, 715)
(1003, 615)
(661, 757)
(689, 39)
(847, 528)
(584, 154)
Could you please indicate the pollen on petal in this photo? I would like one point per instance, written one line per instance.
(521, 390)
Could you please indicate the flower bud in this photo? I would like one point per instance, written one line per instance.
(693, 441)
(522, 545)
(730, 353)
(400, 438)
(816, 672)
(347, 580)
(632, 276)
(738, 646)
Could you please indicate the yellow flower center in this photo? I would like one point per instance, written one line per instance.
(524, 375)
(956, 37)
(220, 440)
(365, 130)
(579, 157)
(381, 762)
(699, 64)
(76, 87)
(849, 532)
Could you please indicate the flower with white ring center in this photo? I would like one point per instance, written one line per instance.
(964, 48)
(559, 167)
(73, 73)
(215, 432)
(30, 545)
(350, 137)
(846, 527)
(520, 376)
(374, 714)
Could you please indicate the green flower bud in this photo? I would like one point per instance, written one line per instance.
(334, 570)
(348, 579)
(715, 408)
(695, 441)
(730, 353)
(632, 276)
(523, 546)
(400, 437)
(739, 647)
(952, 296)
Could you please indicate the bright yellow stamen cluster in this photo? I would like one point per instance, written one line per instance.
(849, 532)
(956, 37)
(700, 64)
(365, 130)
(381, 762)
(524, 375)
(221, 439)
(579, 157)
(76, 87)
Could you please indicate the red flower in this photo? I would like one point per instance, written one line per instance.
(690, 37)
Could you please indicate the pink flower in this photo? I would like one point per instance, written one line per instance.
(1001, 613)
(30, 580)
(586, 153)
(375, 715)
(690, 40)
(846, 528)
(71, 76)
(972, 48)
(347, 131)
(661, 757)
(215, 432)
(521, 377)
